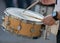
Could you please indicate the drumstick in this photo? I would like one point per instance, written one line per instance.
(31, 5)
(33, 17)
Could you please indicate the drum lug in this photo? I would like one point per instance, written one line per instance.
(12, 29)
(24, 21)
(3, 18)
(32, 30)
(8, 23)
(19, 28)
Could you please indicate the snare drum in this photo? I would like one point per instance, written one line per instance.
(17, 23)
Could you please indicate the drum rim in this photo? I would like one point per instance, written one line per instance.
(25, 20)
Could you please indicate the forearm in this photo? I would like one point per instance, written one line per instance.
(58, 16)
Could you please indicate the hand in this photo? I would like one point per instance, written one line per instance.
(48, 20)
(47, 2)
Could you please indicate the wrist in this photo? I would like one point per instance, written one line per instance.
(54, 15)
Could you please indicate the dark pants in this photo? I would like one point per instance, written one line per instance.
(28, 2)
(9, 3)
(21, 3)
(58, 37)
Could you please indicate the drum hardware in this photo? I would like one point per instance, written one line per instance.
(29, 22)
(3, 18)
(8, 23)
(24, 21)
(13, 30)
(42, 29)
(2, 27)
(32, 30)
(6, 13)
(12, 16)
(19, 28)
(20, 25)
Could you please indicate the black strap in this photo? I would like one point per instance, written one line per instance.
(55, 17)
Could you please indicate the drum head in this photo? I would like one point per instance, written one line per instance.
(17, 12)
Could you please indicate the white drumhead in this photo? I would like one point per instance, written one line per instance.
(19, 13)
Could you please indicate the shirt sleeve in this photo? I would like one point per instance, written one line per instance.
(57, 6)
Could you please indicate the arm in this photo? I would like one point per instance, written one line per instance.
(49, 20)
(47, 2)
(58, 16)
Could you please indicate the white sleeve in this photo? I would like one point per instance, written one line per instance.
(57, 7)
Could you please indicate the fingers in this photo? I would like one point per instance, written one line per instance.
(51, 23)
(48, 20)
(48, 23)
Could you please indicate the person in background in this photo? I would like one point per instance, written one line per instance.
(9, 3)
(19, 3)
(23, 3)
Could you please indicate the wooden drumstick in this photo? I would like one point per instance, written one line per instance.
(31, 5)
(33, 17)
